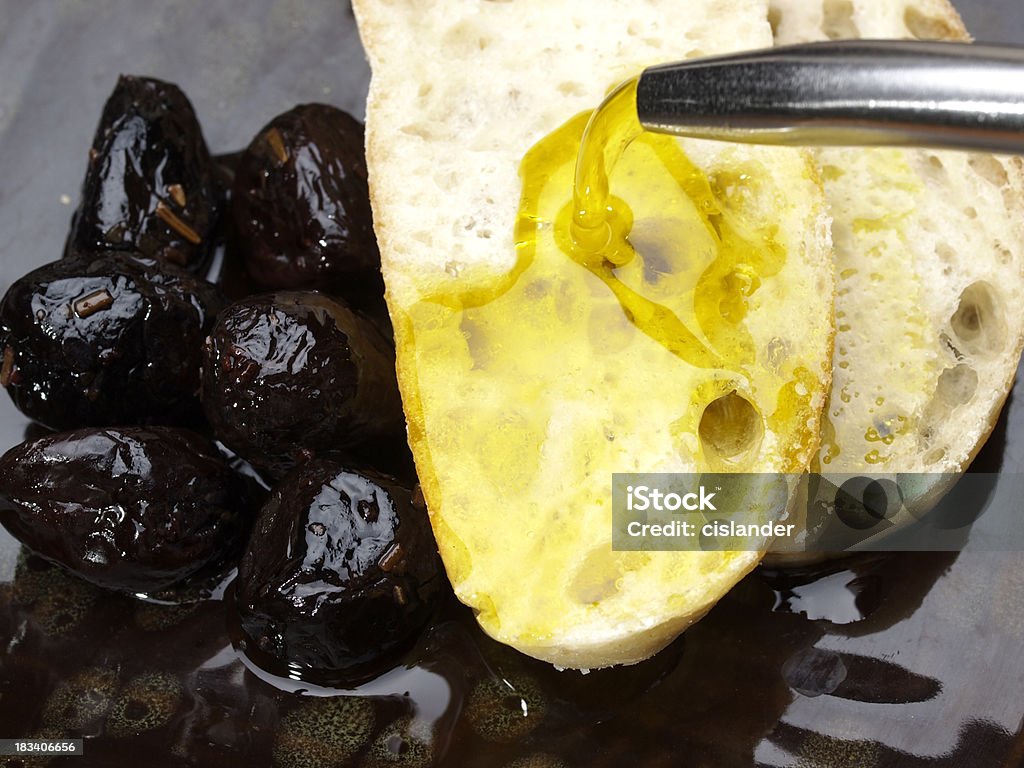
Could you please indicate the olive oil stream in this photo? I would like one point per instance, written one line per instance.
(594, 231)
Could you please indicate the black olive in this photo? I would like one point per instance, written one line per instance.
(110, 339)
(134, 508)
(341, 570)
(226, 165)
(301, 206)
(151, 186)
(291, 374)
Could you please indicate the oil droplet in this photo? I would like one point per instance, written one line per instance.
(874, 457)
(886, 430)
(828, 440)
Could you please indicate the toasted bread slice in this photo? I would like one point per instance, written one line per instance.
(929, 255)
(525, 384)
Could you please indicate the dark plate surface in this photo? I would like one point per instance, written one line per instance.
(886, 660)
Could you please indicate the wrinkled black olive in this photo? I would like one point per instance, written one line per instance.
(151, 186)
(226, 164)
(291, 374)
(133, 508)
(110, 339)
(341, 571)
(301, 206)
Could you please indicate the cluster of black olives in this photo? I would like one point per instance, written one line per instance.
(151, 380)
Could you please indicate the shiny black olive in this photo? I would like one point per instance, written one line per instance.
(301, 206)
(110, 339)
(290, 374)
(341, 571)
(134, 508)
(151, 186)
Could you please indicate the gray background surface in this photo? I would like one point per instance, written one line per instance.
(994, 21)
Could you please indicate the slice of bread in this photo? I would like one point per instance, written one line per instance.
(525, 385)
(929, 253)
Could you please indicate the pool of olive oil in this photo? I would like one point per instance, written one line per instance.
(619, 341)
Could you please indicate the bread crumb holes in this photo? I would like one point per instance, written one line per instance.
(731, 429)
(837, 21)
(774, 20)
(990, 169)
(957, 385)
(979, 323)
(924, 27)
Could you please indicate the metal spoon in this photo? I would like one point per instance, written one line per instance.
(858, 92)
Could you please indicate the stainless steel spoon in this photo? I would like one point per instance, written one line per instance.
(858, 92)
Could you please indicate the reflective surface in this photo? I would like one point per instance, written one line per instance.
(891, 660)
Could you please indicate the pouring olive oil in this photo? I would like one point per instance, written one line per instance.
(672, 245)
